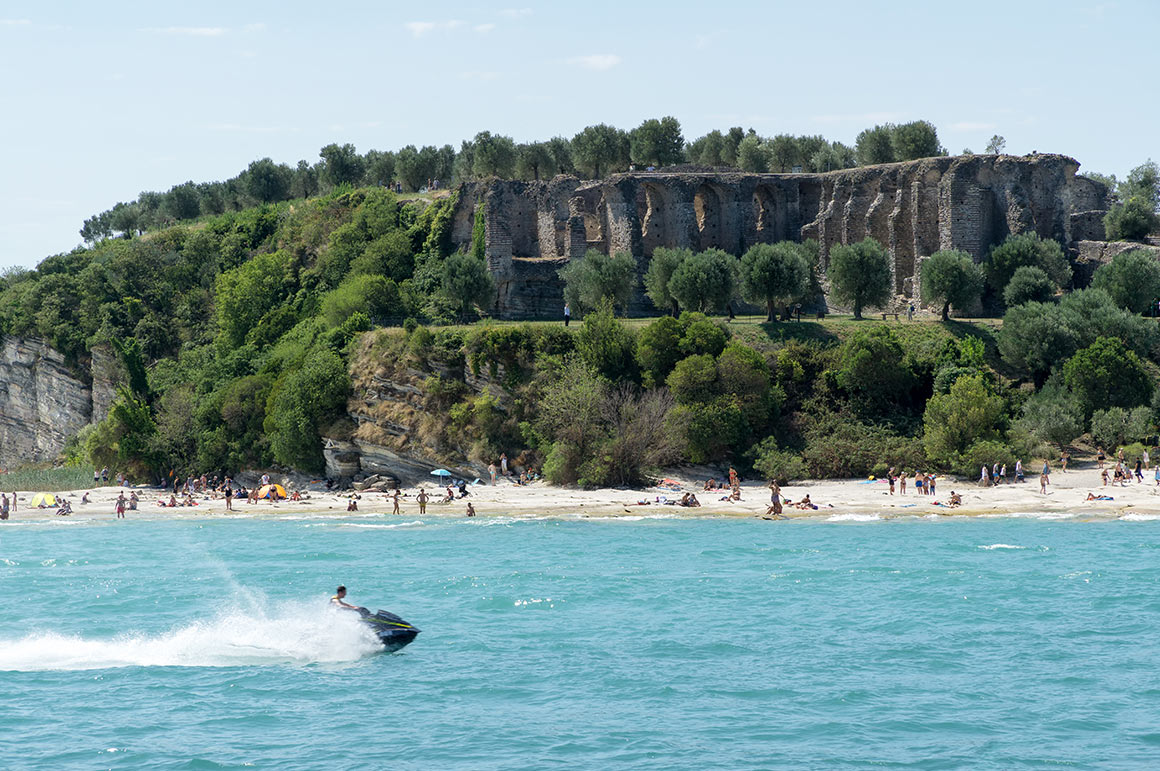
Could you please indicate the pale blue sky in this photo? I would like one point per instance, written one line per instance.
(104, 100)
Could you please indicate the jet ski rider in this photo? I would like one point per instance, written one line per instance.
(338, 602)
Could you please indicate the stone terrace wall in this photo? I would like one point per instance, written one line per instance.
(915, 209)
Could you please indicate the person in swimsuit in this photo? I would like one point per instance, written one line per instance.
(338, 601)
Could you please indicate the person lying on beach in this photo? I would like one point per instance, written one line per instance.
(1093, 497)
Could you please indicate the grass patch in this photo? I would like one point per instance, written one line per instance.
(47, 479)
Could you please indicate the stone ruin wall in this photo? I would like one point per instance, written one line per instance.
(914, 209)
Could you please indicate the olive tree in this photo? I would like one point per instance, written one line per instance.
(951, 277)
(860, 275)
(599, 276)
(706, 281)
(1132, 279)
(774, 273)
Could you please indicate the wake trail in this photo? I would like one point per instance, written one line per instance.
(295, 634)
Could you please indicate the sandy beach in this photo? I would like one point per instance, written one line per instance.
(836, 499)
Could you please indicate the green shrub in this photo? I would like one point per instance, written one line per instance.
(986, 452)
(1028, 284)
(1132, 220)
(776, 465)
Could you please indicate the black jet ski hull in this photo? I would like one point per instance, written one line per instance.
(393, 632)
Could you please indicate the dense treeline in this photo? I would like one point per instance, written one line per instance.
(594, 152)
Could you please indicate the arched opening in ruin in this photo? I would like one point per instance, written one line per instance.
(652, 213)
(590, 205)
(707, 212)
(769, 215)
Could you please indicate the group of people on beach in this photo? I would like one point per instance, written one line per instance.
(526, 476)
(923, 483)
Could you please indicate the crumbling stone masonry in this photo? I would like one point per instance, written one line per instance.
(914, 209)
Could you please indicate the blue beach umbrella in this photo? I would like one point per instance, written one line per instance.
(441, 472)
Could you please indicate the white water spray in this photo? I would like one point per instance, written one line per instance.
(295, 634)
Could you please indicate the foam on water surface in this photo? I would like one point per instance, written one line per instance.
(295, 634)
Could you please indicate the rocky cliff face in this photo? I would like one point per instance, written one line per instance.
(914, 209)
(42, 402)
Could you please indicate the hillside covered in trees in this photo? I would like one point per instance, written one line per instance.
(240, 313)
(241, 336)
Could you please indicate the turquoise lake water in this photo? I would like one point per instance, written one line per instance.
(645, 644)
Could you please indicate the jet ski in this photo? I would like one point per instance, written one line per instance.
(393, 632)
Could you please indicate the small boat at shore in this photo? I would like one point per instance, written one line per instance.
(393, 632)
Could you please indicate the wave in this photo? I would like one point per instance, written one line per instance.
(1002, 546)
(852, 518)
(1135, 516)
(297, 634)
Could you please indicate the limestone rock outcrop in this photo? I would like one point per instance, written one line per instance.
(42, 401)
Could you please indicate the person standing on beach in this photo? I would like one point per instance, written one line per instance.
(930, 483)
(1019, 470)
(503, 467)
(1043, 481)
(423, 498)
(229, 495)
(1147, 458)
(985, 477)
(902, 483)
(1139, 473)
(492, 470)
(395, 499)
(567, 314)
(121, 505)
(1046, 469)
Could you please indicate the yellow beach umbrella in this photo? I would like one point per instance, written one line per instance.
(278, 491)
(43, 499)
